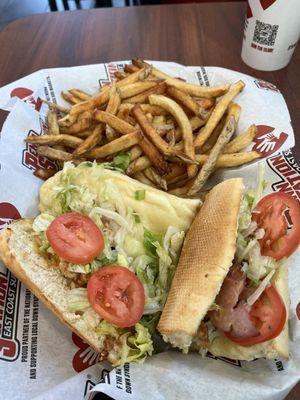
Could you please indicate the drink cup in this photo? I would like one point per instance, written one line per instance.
(272, 30)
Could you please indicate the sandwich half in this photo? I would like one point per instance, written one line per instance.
(110, 287)
(229, 295)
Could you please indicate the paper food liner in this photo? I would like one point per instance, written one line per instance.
(39, 357)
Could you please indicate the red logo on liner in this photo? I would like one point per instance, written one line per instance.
(85, 356)
(298, 311)
(8, 214)
(27, 95)
(266, 140)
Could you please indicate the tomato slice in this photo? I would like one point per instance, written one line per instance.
(268, 314)
(269, 215)
(117, 295)
(75, 238)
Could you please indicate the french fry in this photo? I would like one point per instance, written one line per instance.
(154, 156)
(193, 90)
(54, 140)
(83, 123)
(130, 68)
(154, 137)
(53, 127)
(137, 165)
(67, 120)
(156, 178)
(147, 108)
(54, 154)
(185, 100)
(177, 173)
(80, 94)
(70, 98)
(44, 174)
(170, 137)
(57, 107)
(125, 114)
(90, 142)
(195, 123)
(85, 134)
(135, 152)
(136, 88)
(115, 122)
(114, 100)
(230, 160)
(211, 160)
(217, 113)
(120, 75)
(122, 143)
(207, 103)
(158, 88)
(242, 141)
(139, 176)
(182, 120)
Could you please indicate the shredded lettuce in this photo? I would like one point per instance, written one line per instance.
(140, 194)
(150, 240)
(42, 221)
(120, 163)
(77, 300)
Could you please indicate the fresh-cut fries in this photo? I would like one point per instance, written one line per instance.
(54, 140)
(187, 134)
(174, 133)
(122, 143)
(54, 154)
(158, 88)
(154, 137)
(156, 178)
(211, 160)
(193, 90)
(136, 88)
(242, 141)
(185, 100)
(90, 142)
(154, 156)
(230, 160)
(44, 174)
(116, 123)
(218, 113)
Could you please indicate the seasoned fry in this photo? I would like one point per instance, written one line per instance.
(114, 100)
(177, 172)
(54, 154)
(136, 88)
(170, 137)
(80, 94)
(83, 123)
(210, 163)
(115, 122)
(44, 173)
(193, 90)
(182, 120)
(67, 120)
(207, 103)
(184, 99)
(242, 141)
(137, 165)
(122, 143)
(130, 68)
(91, 141)
(155, 178)
(139, 176)
(53, 140)
(53, 127)
(120, 75)
(217, 113)
(158, 88)
(155, 157)
(57, 107)
(135, 152)
(230, 160)
(152, 135)
(125, 115)
(70, 98)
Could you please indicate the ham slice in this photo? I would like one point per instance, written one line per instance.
(233, 315)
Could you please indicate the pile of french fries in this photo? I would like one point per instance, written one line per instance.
(176, 133)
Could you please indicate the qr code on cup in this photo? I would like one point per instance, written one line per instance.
(265, 34)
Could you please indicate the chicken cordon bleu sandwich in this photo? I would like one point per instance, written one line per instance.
(229, 295)
(101, 255)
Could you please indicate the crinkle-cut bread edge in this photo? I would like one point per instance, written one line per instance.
(15, 260)
(277, 348)
(206, 257)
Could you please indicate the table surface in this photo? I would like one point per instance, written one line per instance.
(190, 34)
